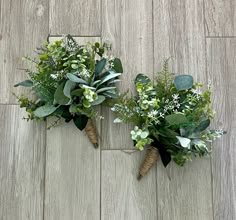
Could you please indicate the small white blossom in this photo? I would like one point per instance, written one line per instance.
(175, 96)
(162, 115)
(196, 91)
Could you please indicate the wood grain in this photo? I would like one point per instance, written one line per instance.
(187, 194)
(179, 34)
(123, 196)
(127, 24)
(220, 17)
(81, 18)
(72, 189)
(22, 159)
(23, 27)
(221, 59)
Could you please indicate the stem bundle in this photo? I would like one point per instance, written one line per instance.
(150, 159)
(91, 132)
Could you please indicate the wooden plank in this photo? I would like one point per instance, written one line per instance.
(221, 58)
(220, 17)
(123, 196)
(81, 18)
(22, 158)
(187, 194)
(72, 189)
(127, 24)
(179, 34)
(23, 27)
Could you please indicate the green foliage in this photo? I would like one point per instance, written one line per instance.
(69, 79)
(172, 114)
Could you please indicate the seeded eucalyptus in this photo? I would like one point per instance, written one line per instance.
(172, 115)
(69, 80)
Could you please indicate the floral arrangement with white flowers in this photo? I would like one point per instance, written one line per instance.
(69, 80)
(172, 115)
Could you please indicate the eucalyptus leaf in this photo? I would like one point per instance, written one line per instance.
(117, 65)
(25, 83)
(183, 82)
(184, 142)
(176, 118)
(99, 100)
(141, 78)
(59, 97)
(45, 110)
(75, 78)
(68, 87)
(100, 66)
(105, 89)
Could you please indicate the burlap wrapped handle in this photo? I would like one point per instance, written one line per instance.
(150, 159)
(91, 132)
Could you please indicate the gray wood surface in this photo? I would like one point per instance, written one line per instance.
(22, 159)
(184, 193)
(221, 59)
(23, 27)
(77, 17)
(123, 196)
(72, 188)
(220, 17)
(179, 34)
(127, 24)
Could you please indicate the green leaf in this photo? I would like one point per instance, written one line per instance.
(59, 96)
(80, 121)
(77, 92)
(117, 65)
(95, 82)
(76, 79)
(99, 100)
(105, 89)
(88, 87)
(100, 66)
(176, 118)
(183, 82)
(45, 110)
(26, 83)
(184, 142)
(68, 87)
(203, 125)
(109, 77)
(110, 94)
(141, 78)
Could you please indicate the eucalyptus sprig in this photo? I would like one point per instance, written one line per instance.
(69, 80)
(172, 114)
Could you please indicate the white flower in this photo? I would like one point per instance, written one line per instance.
(175, 96)
(196, 91)
(178, 105)
(54, 76)
(167, 101)
(162, 115)
(101, 117)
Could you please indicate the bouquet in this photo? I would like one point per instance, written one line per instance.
(68, 80)
(171, 116)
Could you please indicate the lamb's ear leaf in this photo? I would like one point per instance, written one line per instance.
(75, 78)
(45, 110)
(99, 100)
(69, 86)
(183, 82)
(25, 83)
(117, 65)
(59, 96)
(100, 66)
(141, 78)
(80, 121)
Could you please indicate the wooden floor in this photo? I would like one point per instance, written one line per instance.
(56, 174)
